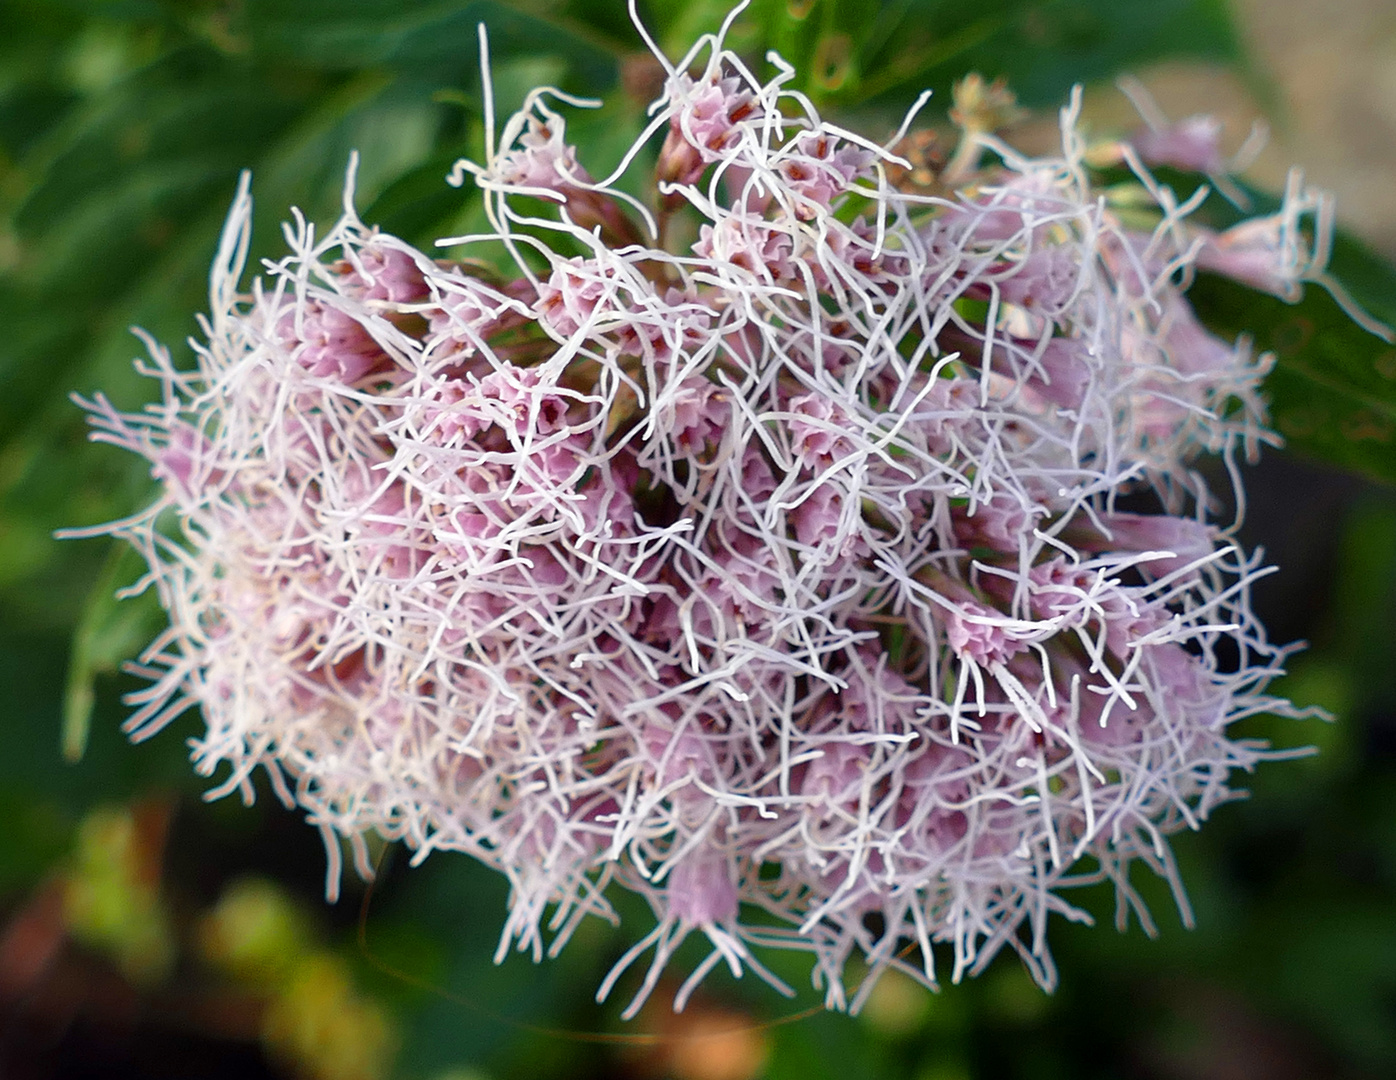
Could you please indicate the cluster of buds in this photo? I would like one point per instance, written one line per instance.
(836, 578)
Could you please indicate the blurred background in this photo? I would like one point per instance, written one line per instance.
(145, 933)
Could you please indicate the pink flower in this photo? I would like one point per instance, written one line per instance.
(979, 634)
(699, 411)
(542, 158)
(1190, 346)
(184, 465)
(1065, 373)
(1273, 254)
(819, 169)
(817, 429)
(1187, 539)
(704, 124)
(1193, 144)
(701, 890)
(1000, 527)
(569, 299)
(328, 341)
(753, 247)
(754, 549)
(387, 273)
(1044, 282)
(836, 777)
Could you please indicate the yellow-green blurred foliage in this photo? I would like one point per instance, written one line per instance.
(112, 893)
(316, 1020)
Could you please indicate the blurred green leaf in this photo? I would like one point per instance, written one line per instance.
(431, 42)
(110, 632)
(850, 53)
(1333, 390)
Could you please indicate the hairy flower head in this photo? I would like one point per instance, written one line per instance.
(780, 576)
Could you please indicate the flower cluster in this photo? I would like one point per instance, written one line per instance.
(842, 559)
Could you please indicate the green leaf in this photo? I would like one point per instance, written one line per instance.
(853, 53)
(1333, 390)
(433, 42)
(110, 632)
